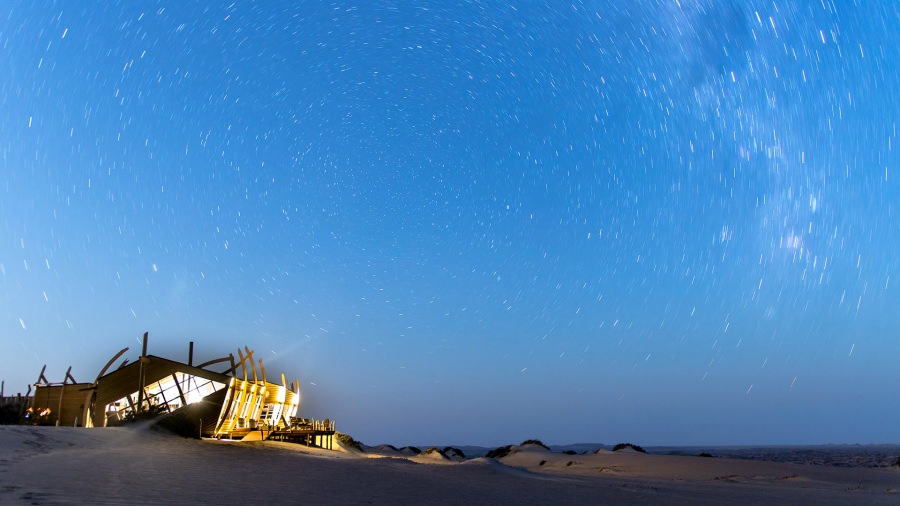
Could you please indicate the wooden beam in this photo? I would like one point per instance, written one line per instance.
(86, 418)
(262, 369)
(69, 376)
(225, 413)
(214, 361)
(62, 390)
(130, 404)
(180, 392)
(252, 364)
(42, 380)
(243, 367)
(110, 363)
(142, 373)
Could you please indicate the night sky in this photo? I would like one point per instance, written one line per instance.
(657, 221)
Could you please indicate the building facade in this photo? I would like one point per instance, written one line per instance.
(228, 404)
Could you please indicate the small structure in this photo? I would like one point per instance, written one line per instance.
(63, 403)
(237, 403)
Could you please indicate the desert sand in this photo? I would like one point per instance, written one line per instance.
(136, 465)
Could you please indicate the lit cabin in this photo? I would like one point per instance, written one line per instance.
(237, 402)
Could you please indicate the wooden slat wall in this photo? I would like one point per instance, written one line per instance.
(246, 401)
(74, 399)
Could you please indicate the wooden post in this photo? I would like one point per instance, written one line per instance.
(252, 364)
(42, 379)
(191, 354)
(142, 374)
(262, 370)
(62, 389)
(88, 414)
(180, 392)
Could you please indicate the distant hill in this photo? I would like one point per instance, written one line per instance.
(473, 452)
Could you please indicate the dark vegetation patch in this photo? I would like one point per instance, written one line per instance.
(534, 442)
(10, 414)
(499, 453)
(705, 454)
(348, 441)
(626, 446)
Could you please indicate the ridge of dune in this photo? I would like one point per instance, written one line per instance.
(52, 465)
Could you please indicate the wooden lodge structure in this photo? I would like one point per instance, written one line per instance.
(237, 403)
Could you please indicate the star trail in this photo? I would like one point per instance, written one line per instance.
(673, 222)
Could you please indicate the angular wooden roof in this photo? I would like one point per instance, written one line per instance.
(124, 380)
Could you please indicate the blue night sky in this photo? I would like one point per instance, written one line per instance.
(660, 221)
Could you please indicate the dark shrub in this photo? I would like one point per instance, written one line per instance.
(705, 454)
(499, 453)
(625, 446)
(348, 441)
(534, 442)
(10, 414)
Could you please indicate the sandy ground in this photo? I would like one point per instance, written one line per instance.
(62, 465)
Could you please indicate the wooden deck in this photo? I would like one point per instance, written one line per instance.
(308, 432)
(308, 437)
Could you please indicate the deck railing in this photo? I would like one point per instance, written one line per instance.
(304, 424)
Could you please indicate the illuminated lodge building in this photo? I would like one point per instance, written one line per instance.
(237, 403)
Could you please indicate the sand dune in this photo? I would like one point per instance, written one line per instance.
(60, 465)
